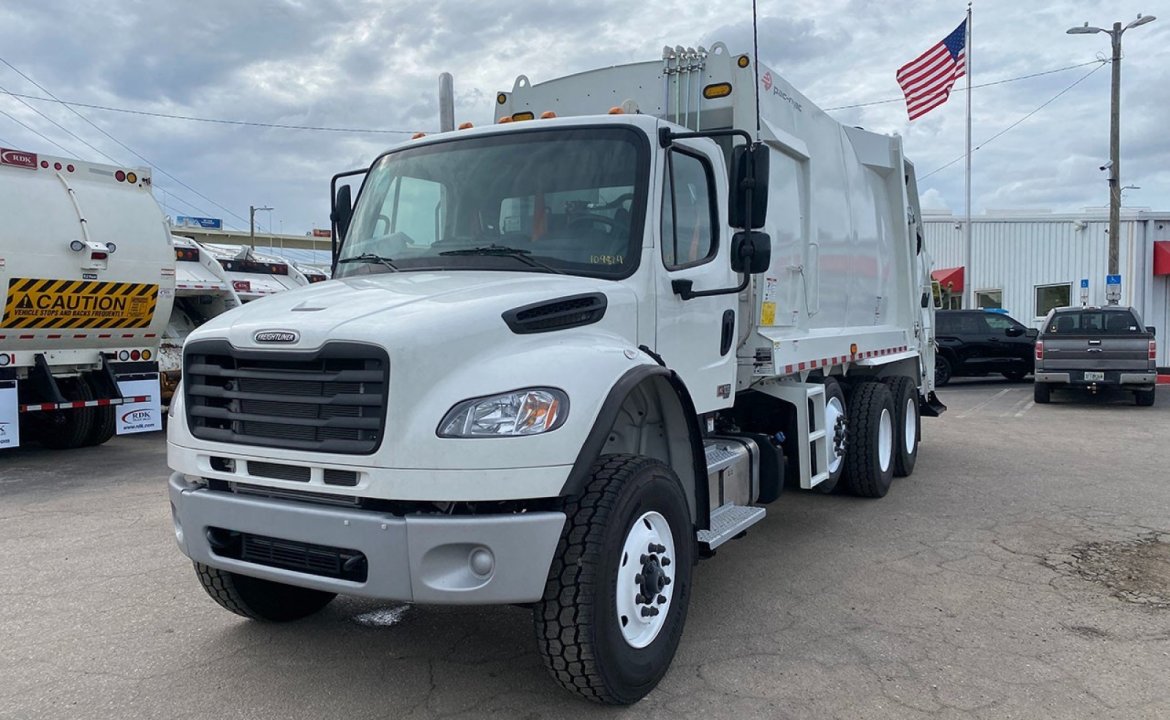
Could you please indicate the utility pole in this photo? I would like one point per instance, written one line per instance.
(252, 223)
(1113, 293)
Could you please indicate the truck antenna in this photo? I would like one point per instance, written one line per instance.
(756, 65)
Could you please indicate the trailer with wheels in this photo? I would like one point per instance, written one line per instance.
(88, 275)
(564, 357)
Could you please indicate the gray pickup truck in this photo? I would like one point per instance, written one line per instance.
(1094, 348)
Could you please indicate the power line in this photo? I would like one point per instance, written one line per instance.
(1098, 62)
(61, 127)
(193, 118)
(119, 142)
(33, 130)
(1017, 122)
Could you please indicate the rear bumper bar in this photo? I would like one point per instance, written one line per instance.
(1111, 377)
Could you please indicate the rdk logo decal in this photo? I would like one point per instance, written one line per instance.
(276, 336)
(136, 416)
(767, 81)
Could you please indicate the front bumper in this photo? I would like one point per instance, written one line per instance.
(1113, 378)
(446, 559)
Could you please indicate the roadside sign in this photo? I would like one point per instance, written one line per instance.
(199, 222)
(1084, 283)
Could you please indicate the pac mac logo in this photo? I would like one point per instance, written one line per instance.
(767, 81)
(19, 158)
(277, 336)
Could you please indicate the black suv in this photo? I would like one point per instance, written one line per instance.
(980, 342)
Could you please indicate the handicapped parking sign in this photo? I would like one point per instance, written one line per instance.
(1112, 279)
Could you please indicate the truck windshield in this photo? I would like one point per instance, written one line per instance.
(569, 201)
(1095, 322)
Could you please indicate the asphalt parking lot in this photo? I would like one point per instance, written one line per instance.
(1022, 571)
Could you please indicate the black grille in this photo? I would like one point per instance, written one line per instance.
(348, 478)
(303, 557)
(331, 400)
(559, 314)
(279, 472)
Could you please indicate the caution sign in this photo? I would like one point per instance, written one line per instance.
(69, 304)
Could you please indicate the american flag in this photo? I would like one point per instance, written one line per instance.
(927, 80)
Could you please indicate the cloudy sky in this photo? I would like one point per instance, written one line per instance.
(373, 64)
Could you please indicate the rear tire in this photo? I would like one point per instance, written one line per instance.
(1144, 398)
(942, 371)
(104, 424)
(1041, 393)
(869, 461)
(590, 628)
(67, 429)
(1016, 375)
(837, 425)
(258, 599)
(907, 424)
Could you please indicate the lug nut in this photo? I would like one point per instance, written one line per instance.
(638, 578)
(661, 599)
(665, 580)
(644, 559)
(646, 611)
(640, 599)
(664, 561)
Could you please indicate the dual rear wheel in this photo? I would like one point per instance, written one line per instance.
(873, 434)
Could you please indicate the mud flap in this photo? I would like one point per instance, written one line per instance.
(9, 419)
(142, 416)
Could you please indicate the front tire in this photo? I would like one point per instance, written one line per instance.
(869, 463)
(942, 371)
(258, 599)
(613, 611)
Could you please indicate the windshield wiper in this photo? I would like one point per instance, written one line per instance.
(371, 258)
(524, 256)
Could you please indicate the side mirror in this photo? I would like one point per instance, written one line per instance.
(341, 212)
(1013, 331)
(749, 184)
(1032, 333)
(751, 252)
(1151, 330)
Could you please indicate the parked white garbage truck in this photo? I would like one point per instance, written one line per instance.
(561, 359)
(88, 276)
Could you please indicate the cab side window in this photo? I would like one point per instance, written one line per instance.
(688, 213)
(999, 323)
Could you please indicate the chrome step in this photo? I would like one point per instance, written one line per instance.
(727, 521)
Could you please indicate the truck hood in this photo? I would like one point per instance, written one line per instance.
(395, 309)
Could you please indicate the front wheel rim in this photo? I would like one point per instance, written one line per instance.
(645, 587)
(885, 440)
(910, 432)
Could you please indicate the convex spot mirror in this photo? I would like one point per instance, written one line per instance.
(749, 181)
(751, 252)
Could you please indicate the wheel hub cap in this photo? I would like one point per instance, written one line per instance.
(645, 579)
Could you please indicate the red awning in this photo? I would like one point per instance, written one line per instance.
(949, 278)
(1162, 257)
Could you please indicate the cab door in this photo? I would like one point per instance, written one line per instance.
(696, 337)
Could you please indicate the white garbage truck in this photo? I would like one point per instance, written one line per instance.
(88, 276)
(564, 357)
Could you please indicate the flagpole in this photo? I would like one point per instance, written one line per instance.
(969, 275)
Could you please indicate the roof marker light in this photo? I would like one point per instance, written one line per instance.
(501, 98)
(56, 166)
(525, 115)
(418, 135)
(616, 110)
(505, 119)
(465, 126)
(131, 177)
(743, 61)
(120, 176)
(547, 115)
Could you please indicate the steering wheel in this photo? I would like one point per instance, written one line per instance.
(611, 226)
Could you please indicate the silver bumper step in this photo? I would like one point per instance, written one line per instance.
(727, 521)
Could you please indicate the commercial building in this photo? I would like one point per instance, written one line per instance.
(1028, 264)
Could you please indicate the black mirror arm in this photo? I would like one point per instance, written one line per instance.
(682, 288)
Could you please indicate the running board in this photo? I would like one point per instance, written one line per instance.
(727, 521)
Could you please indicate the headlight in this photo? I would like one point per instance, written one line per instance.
(522, 412)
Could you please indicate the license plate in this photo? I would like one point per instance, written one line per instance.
(1094, 376)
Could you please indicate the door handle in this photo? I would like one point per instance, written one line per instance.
(1096, 349)
(728, 332)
